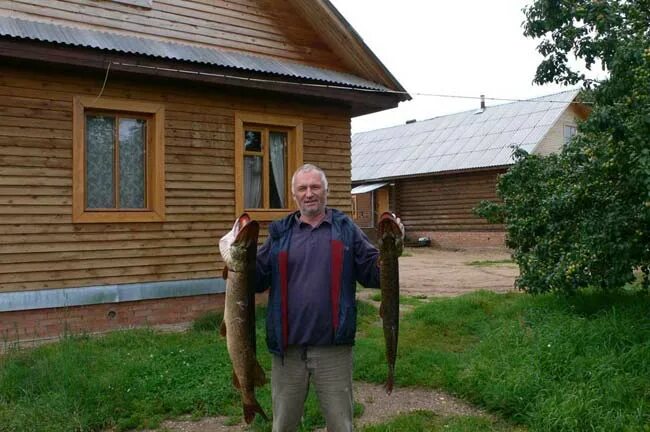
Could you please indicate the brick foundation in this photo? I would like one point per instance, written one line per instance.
(32, 326)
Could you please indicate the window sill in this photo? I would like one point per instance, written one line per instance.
(117, 217)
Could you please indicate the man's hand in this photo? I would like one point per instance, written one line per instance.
(401, 226)
(400, 241)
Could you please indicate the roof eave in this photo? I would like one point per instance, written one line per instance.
(429, 174)
(359, 101)
(345, 41)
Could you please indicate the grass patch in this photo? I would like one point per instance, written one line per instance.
(548, 362)
(122, 380)
(425, 421)
(403, 300)
(210, 321)
(492, 263)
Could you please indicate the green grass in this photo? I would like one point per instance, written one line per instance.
(403, 300)
(544, 362)
(551, 363)
(491, 263)
(122, 380)
(424, 421)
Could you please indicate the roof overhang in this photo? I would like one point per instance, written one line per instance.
(367, 188)
(30, 40)
(343, 39)
(386, 180)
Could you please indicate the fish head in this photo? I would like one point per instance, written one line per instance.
(389, 231)
(246, 234)
(388, 226)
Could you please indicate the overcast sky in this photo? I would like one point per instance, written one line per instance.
(451, 47)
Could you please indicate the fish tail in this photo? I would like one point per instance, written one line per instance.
(390, 381)
(251, 409)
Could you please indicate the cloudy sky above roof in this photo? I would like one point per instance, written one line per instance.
(460, 47)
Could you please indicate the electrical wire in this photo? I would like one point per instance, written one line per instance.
(334, 86)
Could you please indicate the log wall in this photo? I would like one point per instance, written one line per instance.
(41, 248)
(443, 203)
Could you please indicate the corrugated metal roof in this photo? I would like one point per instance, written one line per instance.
(48, 32)
(461, 141)
(367, 188)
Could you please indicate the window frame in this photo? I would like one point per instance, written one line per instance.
(155, 160)
(574, 128)
(271, 123)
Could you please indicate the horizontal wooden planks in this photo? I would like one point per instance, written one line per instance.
(262, 27)
(42, 248)
(446, 202)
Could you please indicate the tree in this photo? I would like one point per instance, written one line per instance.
(582, 217)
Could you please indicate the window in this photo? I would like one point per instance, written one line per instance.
(268, 149)
(569, 132)
(118, 157)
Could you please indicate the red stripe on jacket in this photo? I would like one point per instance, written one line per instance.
(335, 280)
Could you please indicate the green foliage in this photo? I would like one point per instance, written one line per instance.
(549, 362)
(582, 218)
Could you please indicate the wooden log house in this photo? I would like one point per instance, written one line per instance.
(434, 172)
(133, 132)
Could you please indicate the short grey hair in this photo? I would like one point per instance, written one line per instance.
(307, 168)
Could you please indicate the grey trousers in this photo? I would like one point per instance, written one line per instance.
(330, 370)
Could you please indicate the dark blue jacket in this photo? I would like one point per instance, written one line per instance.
(347, 243)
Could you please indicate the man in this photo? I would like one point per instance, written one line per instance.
(312, 261)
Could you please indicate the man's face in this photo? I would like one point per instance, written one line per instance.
(309, 193)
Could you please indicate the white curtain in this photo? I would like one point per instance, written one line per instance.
(278, 147)
(252, 182)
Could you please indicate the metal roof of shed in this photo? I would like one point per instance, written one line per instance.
(367, 188)
(59, 34)
(462, 141)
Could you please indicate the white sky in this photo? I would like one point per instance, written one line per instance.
(451, 47)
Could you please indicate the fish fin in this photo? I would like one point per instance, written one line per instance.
(222, 329)
(235, 380)
(251, 410)
(224, 273)
(260, 376)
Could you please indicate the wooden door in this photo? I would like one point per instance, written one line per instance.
(382, 203)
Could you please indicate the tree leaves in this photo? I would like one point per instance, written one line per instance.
(582, 217)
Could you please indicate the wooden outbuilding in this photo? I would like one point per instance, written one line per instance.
(133, 132)
(432, 173)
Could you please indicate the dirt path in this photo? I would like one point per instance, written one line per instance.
(378, 407)
(436, 272)
(423, 271)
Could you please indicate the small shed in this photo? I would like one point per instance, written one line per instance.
(432, 173)
(132, 132)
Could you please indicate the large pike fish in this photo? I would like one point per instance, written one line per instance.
(390, 248)
(239, 314)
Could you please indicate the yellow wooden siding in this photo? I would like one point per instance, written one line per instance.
(263, 27)
(554, 139)
(42, 248)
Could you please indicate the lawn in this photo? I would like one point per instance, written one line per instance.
(537, 362)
